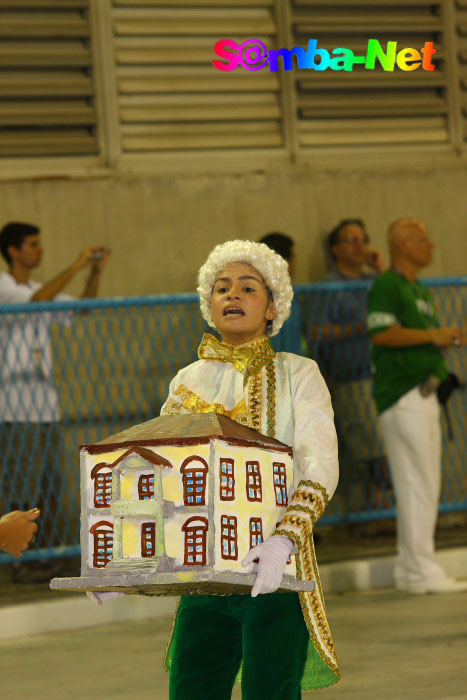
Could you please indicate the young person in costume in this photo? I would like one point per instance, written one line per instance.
(282, 642)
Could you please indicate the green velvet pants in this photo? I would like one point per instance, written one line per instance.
(214, 635)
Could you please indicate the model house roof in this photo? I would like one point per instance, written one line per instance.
(185, 429)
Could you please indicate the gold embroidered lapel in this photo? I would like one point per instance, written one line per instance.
(195, 404)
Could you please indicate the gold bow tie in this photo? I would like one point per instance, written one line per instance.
(213, 349)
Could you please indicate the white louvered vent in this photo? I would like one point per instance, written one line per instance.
(370, 107)
(171, 98)
(46, 79)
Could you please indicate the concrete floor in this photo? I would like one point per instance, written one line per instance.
(391, 646)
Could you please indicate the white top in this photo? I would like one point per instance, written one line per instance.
(304, 418)
(27, 389)
(297, 411)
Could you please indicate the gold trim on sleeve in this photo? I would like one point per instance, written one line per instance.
(307, 505)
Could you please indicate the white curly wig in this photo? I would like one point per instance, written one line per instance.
(272, 267)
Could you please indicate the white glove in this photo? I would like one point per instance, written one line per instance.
(99, 598)
(272, 555)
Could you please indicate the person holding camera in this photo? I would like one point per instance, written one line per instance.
(410, 380)
(347, 246)
(341, 346)
(30, 439)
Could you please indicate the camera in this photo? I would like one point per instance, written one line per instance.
(98, 254)
(446, 387)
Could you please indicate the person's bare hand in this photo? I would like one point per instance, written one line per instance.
(447, 337)
(99, 263)
(85, 257)
(374, 259)
(17, 530)
(90, 256)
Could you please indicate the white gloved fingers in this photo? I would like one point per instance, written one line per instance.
(268, 578)
(262, 587)
(272, 581)
(265, 584)
(92, 596)
(100, 597)
(258, 585)
(253, 554)
(272, 555)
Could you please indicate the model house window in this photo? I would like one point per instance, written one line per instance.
(194, 470)
(229, 537)
(102, 476)
(253, 481)
(256, 532)
(280, 484)
(146, 487)
(103, 532)
(227, 480)
(195, 530)
(148, 540)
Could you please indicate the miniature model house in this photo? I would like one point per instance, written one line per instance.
(179, 498)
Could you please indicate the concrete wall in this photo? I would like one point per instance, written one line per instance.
(161, 228)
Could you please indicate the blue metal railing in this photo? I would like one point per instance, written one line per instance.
(94, 367)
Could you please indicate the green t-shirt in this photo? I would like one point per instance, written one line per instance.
(394, 300)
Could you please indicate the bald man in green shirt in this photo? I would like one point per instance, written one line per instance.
(408, 365)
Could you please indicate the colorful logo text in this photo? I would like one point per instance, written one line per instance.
(253, 55)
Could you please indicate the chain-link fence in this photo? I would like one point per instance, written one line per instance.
(76, 372)
(333, 322)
